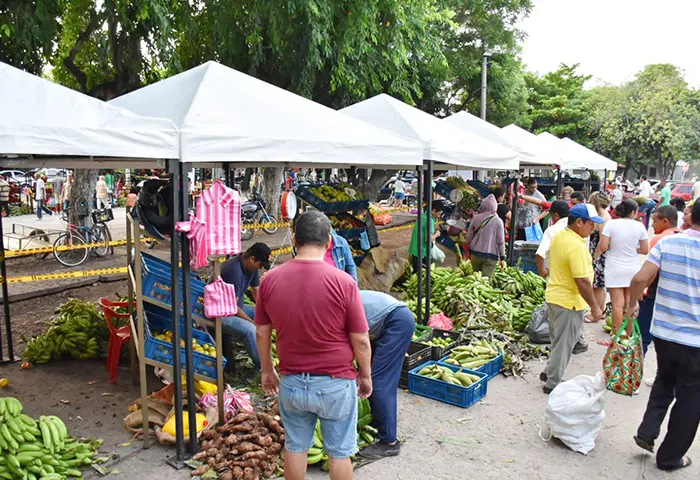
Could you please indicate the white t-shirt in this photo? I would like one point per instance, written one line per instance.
(40, 190)
(645, 189)
(616, 197)
(399, 186)
(552, 230)
(622, 262)
(696, 190)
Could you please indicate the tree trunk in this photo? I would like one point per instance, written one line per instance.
(272, 189)
(370, 187)
(245, 185)
(83, 187)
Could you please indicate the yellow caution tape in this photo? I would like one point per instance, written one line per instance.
(260, 226)
(65, 275)
(63, 248)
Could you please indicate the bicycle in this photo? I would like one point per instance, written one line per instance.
(77, 235)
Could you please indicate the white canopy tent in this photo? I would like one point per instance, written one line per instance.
(442, 143)
(545, 155)
(575, 156)
(39, 118)
(225, 116)
(471, 123)
(594, 160)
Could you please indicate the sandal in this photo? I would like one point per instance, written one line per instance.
(649, 447)
(685, 462)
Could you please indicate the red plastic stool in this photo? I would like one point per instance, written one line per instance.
(118, 337)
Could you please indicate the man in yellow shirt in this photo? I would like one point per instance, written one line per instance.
(569, 291)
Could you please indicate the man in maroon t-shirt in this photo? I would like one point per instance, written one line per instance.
(321, 327)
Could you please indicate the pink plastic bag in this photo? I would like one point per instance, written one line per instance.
(441, 321)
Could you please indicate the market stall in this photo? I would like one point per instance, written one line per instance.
(226, 118)
(443, 145)
(43, 124)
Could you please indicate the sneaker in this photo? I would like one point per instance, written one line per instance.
(649, 382)
(636, 392)
(543, 377)
(380, 450)
(547, 389)
(579, 348)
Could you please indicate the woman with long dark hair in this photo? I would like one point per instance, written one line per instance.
(600, 201)
(624, 239)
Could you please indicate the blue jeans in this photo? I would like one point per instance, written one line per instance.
(646, 311)
(648, 208)
(40, 205)
(304, 399)
(245, 331)
(389, 351)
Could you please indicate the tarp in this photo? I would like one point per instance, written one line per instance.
(227, 116)
(471, 123)
(39, 117)
(442, 142)
(545, 155)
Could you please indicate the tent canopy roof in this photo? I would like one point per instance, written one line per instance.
(442, 142)
(225, 116)
(39, 117)
(575, 156)
(545, 155)
(471, 123)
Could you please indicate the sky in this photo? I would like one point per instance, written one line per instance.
(613, 39)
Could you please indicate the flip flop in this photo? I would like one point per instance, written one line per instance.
(685, 462)
(649, 447)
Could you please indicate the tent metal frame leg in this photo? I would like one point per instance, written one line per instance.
(10, 357)
(418, 261)
(428, 236)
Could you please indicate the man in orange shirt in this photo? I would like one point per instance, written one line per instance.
(665, 222)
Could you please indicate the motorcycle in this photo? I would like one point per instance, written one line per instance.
(253, 212)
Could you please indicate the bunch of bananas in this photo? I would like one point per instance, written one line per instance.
(78, 329)
(199, 347)
(366, 435)
(33, 450)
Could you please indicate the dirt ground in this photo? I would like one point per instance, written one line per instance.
(496, 438)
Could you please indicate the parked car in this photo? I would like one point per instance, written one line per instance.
(683, 190)
(16, 176)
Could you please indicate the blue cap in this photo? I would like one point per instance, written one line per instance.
(585, 211)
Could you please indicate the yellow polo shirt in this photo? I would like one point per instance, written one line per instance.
(569, 258)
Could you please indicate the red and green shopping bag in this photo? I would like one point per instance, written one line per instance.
(623, 364)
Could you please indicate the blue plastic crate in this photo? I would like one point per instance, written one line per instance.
(153, 263)
(491, 369)
(446, 392)
(157, 285)
(158, 320)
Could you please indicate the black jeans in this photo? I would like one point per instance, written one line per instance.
(677, 377)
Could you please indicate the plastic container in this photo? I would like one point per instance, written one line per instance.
(442, 189)
(422, 333)
(162, 351)
(526, 255)
(157, 285)
(305, 194)
(417, 354)
(438, 352)
(491, 369)
(447, 392)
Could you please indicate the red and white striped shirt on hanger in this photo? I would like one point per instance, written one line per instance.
(219, 207)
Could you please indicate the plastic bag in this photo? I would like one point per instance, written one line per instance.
(436, 254)
(538, 328)
(624, 361)
(441, 321)
(575, 411)
(364, 241)
(533, 233)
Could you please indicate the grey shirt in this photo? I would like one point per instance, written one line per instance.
(527, 212)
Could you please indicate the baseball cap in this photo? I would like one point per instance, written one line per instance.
(585, 211)
(262, 253)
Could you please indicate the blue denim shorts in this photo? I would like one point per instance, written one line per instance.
(305, 399)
